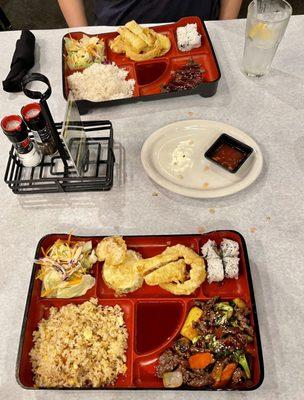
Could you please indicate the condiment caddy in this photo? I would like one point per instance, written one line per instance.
(40, 160)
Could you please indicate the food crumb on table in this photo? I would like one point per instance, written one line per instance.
(212, 210)
(206, 168)
(252, 230)
(268, 218)
(155, 194)
(205, 185)
(190, 113)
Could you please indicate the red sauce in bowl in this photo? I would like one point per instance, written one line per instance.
(229, 157)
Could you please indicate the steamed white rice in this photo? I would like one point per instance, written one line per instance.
(215, 270)
(188, 37)
(231, 265)
(209, 250)
(101, 82)
(230, 252)
(229, 248)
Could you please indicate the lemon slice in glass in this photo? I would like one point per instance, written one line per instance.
(260, 31)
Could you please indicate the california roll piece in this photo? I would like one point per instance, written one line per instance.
(231, 265)
(215, 270)
(229, 248)
(188, 37)
(209, 250)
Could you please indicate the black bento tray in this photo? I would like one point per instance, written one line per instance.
(207, 89)
(35, 305)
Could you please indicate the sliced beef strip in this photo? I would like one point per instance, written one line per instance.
(199, 378)
(207, 305)
(167, 362)
(203, 327)
(198, 347)
(182, 347)
(237, 376)
(244, 322)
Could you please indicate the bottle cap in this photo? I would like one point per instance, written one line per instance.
(14, 128)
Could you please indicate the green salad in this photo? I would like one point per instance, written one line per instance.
(65, 269)
(84, 52)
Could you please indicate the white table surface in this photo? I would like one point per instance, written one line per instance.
(270, 214)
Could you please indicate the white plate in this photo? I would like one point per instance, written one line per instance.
(173, 157)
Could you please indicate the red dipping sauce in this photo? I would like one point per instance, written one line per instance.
(229, 157)
(155, 323)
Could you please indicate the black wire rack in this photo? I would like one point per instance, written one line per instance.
(52, 176)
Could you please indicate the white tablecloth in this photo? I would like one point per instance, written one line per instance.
(270, 213)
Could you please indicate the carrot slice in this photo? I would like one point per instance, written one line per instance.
(200, 360)
(226, 375)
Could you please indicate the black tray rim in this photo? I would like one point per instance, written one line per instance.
(182, 389)
(87, 104)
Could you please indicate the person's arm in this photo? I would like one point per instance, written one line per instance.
(73, 12)
(230, 9)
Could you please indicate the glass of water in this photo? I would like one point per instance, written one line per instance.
(266, 24)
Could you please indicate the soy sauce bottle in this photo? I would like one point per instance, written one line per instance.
(32, 116)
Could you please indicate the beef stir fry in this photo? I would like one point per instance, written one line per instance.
(213, 348)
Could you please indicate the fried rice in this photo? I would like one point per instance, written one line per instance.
(80, 346)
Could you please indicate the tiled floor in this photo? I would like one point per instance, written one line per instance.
(37, 14)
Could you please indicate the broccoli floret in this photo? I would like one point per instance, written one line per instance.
(240, 358)
(224, 313)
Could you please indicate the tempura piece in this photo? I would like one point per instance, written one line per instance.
(197, 272)
(118, 45)
(112, 249)
(148, 265)
(140, 44)
(135, 41)
(174, 253)
(172, 272)
(124, 277)
(143, 33)
(165, 43)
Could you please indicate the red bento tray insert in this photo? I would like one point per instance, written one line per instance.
(153, 316)
(151, 75)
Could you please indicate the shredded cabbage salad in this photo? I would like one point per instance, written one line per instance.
(65, 269)
(84, 52)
